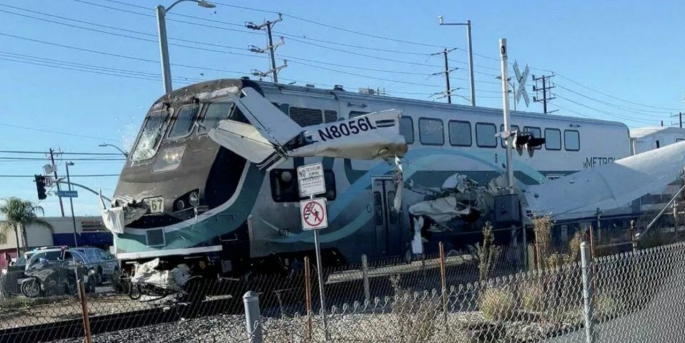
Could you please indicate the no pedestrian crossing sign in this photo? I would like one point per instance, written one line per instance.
(314, 214)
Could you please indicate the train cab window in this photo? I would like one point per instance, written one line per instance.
(219, 111)
(306, 116)
(536, 132)
(552, 139)
(501, 128)
(460, 133)
(431, 131)
(185, 118)
(679, 140)
(571, 140)
(284, 186)
(407, 129)
(153, 130)
(485, 135)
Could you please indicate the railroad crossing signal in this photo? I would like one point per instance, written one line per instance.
(521, 89)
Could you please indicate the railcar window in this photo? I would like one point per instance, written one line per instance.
(330, 116)
(501, 128)
(485, 135)
(306, 116)
(184, 121)
(407, 129)
(283, 107)
(552, 139)
(460, 133)
(431, 131)
(153, 130)
(219, 111)
(571, 140)
(284, 186)
(536, 132)
(357, 113)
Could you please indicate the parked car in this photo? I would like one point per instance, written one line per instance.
(103, 261)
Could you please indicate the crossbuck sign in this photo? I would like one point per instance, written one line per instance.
(521, 89)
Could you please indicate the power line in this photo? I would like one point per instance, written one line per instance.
(87, 68)
(58, 132)
(2, 158)
(611, 114)
(616, 98)
(60, 153)
(32, 176)
(212, 50)
(633, 110)
(336, 28)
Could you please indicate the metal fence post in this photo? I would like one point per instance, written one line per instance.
(308, 296)
(252, 316)
(586, 260)
(443, 283)
(365, 276)
(84, 309)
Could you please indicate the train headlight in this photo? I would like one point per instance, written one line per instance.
(169, 159)
(194, 199)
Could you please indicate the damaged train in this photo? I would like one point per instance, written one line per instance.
(210, 181)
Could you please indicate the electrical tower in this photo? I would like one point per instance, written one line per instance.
(271, 47)
(545, 89)
(447, 71)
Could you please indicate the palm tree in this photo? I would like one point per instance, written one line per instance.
(18, 215)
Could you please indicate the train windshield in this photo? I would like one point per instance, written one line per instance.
(153, 130)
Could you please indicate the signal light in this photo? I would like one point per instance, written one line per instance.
(525, 140)
(40, 187)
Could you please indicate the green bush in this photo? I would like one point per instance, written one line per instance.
(497, 303)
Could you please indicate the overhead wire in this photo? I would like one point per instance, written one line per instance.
(611, 114)
(59, 153)
(290, 57)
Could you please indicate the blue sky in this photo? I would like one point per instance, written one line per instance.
(77, 73)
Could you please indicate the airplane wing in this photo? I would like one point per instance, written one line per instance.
(273, 136)
(271, 123)
(608, 186)
(243, 139)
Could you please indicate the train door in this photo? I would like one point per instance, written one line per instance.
(387, 220)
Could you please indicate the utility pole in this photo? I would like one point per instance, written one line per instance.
(447, 71)
(546, 86)
(271, 47)
(71, 202)
(680, 117)
(54, 169)
(447, 77)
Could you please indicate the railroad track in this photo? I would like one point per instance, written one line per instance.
(73, 328)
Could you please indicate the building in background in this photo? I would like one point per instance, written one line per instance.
(89, 231)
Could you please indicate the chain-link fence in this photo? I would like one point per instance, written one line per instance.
(484, 293)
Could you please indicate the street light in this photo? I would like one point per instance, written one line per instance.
(163, 47)
(115, 147)
(468, 38)
(71, 202)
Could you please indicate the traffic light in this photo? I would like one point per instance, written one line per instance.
(525, 140)
(40, 187)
